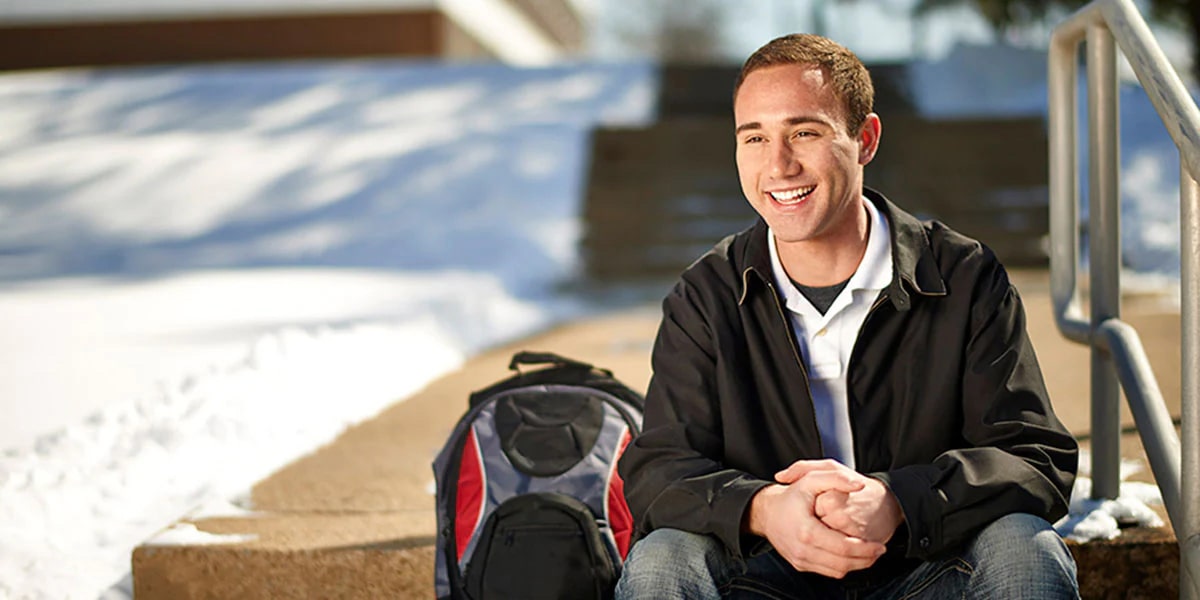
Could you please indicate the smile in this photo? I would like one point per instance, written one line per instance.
(792, 196)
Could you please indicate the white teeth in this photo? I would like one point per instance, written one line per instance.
(792, 196)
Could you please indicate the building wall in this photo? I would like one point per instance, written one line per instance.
(455, 30)
(457, 44)
(407, 33)
(557, 18)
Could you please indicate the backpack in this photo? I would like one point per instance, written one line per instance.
(529, 502)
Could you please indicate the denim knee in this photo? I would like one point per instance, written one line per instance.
(1021, 556)
(670, 563)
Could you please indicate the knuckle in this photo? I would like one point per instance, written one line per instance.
(795, 554)
(800, 562)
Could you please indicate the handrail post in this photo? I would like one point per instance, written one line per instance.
(1104, 253)
(1063, 120)
(1188, 532)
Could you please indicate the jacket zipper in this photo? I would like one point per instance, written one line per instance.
(867, 319)
(803, 369)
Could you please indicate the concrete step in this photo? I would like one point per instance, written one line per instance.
(354, 519)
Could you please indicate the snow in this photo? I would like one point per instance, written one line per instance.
(1088, 519)
(209, 271)
(186, 534)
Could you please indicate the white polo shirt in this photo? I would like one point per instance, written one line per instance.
(826, 341)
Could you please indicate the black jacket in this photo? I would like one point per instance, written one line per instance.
(947, 403)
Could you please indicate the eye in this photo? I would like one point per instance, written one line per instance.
(752, 139)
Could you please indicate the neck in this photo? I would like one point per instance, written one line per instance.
(831, 259)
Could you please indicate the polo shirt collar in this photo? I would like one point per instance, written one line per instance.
(874, 272)
(913, 263)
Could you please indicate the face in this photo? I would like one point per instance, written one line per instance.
(799, 166)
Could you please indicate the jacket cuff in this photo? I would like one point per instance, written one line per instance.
(922, 504)
(735, 502)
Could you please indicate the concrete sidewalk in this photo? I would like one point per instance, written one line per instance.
(355, 518)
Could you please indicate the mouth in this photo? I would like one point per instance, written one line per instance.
(792, 196)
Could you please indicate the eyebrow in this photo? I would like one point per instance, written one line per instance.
(798, 120)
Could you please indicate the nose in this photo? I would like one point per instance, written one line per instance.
(783, 161)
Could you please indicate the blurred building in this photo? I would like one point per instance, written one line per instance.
(959, 146)
(57, 33)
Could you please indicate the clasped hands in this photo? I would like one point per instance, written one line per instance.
(824, 517)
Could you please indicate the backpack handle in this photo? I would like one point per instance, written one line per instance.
(526, 357)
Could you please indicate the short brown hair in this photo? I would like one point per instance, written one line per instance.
(850, 79)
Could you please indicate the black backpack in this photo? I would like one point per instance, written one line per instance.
(529, 502)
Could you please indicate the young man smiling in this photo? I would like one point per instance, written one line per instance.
(845, 402)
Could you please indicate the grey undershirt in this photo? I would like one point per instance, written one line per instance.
(821, 297)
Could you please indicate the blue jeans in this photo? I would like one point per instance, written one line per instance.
(1017, 556)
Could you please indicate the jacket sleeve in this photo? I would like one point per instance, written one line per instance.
(673, 471)
(1019, 457)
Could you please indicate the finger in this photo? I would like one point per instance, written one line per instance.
(829, 564)
(845, 525)
(800, 468)
(836, 569)
(829, 501)
(817, 482)
(829, 540)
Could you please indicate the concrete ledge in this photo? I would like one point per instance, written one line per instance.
(1141, 564)
(207, 572)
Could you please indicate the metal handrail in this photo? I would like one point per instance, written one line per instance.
(1117, 352)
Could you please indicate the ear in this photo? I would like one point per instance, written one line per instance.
(868, 138)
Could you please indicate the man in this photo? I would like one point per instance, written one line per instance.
(845, 402)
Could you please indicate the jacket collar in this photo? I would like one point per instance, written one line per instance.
(913, 264)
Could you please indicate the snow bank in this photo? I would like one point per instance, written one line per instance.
(81, 499)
